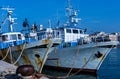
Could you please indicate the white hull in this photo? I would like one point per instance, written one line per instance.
(80, 57)
(32, 47)
(31, 53)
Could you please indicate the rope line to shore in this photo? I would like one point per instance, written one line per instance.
(6, 54)
(20, 54)
(68, 75)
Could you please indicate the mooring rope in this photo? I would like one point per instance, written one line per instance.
(11, 56)
(79, 69)
(105, 55)
(6, 54)
(68, 75)
(45, 56)
(82, 66)
(20, 54)
(75, 58)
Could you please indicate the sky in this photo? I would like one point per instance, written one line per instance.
(96, 15)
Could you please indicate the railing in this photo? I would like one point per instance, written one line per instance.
(49, 35)
(84, 40)
(44, 35)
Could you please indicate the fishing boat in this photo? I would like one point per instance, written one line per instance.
(79, 52)
(32, 48)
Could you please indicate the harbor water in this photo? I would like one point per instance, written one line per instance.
(110, 69)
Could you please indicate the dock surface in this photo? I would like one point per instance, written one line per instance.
(7, 68)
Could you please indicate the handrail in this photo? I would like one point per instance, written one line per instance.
(44, 35)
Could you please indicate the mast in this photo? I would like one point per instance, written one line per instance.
(49, 23)
(68, 10)
(10, 19)
(71, 14)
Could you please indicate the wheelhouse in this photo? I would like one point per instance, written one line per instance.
(11, 36)
(72, 34)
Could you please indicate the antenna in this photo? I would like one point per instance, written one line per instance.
(68, 9)
(9, 15)
(71, 14)
(49, 29)
(69, 5)
(3, 20)
(49, 23)
(8, 9)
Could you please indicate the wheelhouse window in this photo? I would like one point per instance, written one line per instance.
(13, 37)
(5, 37)
(75, 31)
(81, 31)
(19, 36)
(68, 30)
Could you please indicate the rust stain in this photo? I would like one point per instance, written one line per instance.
(38, 60)
(45, 41)
(1, 55)
(57, 62)
(102, 57)
(18, 48)
(4, 51)
(26, 59)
